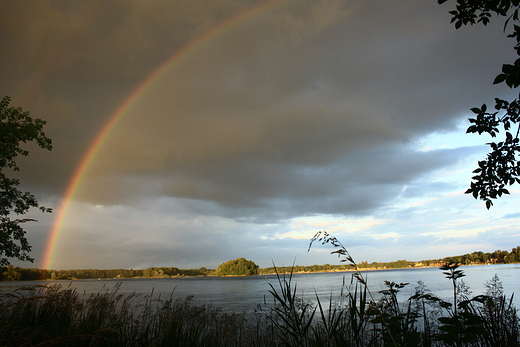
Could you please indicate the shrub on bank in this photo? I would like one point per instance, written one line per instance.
(53, 316)
(237, 267)
(56, 316)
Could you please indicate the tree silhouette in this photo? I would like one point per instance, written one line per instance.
(16, 127)
(500, 168)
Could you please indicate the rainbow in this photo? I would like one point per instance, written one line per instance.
(93, 149)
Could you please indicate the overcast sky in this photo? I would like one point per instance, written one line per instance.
(274, 120)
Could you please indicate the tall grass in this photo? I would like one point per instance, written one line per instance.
(424, 319)
(57, 316)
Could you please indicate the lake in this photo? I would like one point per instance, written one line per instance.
(237, 294)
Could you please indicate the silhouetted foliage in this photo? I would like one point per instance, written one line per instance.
(501, 167)
(49, 315)
(16, 126)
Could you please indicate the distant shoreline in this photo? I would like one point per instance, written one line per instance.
(376, 269)
(282, 271)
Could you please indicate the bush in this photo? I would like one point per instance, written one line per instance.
(237, 267)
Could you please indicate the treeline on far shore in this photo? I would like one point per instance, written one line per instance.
(475, 258)
(11, 273)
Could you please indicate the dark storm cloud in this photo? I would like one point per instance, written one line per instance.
(304, 89)
(301, 109)
(379, 72)
(290, 113)
(72, 64)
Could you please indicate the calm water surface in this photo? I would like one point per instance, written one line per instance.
(236, 294)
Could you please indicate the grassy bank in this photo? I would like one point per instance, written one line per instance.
(55, 316)
(50, 315)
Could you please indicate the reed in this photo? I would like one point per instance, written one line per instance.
(51, 315)
(56, 316)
